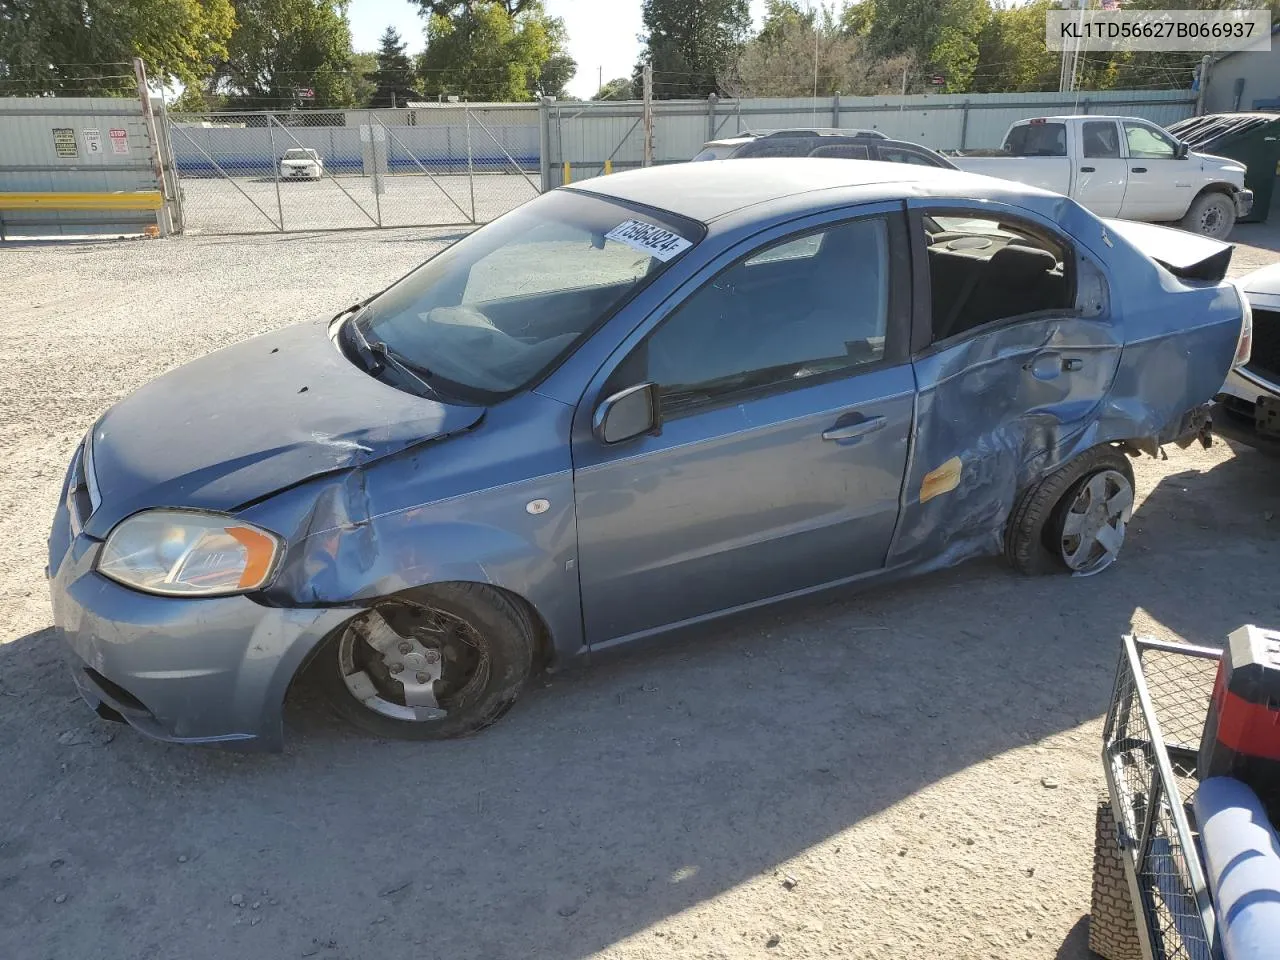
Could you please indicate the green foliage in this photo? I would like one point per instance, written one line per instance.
(799, 53)
(616, 89)
(282, 46)
(395, 83)
(689, 44)
(480, 51)
(941, 35)
(85, 46)
(362, 66)
(1012, 56)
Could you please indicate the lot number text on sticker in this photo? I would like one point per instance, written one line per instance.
(649, 239)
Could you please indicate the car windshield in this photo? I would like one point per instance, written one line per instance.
(489, 314)
(297, 155)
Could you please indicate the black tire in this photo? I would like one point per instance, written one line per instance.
(1212, 214)
(1031, 528)
(507, 639)
(1113, 926)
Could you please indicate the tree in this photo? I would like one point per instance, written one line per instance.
(449, 8)
(616, 89)
(283, 46)
(1012, 56)
(689, 44)
(942, 35)
(480, 51)
(45, 44)
(394, 80)
(780, 60)
(362, 66)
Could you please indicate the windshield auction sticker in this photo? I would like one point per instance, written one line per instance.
(650, 239)
(1177, 30)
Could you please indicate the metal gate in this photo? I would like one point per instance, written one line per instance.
(434, 165)
(84, 165)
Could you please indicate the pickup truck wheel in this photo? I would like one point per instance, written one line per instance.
(432, 664)
(1113, 927)
(1211, 215)
(1075, 518)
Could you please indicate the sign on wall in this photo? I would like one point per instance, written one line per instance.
(119, 141)
(92, 141)
(64, 143)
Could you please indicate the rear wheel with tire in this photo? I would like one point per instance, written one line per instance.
(436, 663)
(1075, 518)
(1113, 926)
(1211, 215)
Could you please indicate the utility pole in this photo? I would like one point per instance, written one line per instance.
(1202, 82)
(648, 115)
(599, 80)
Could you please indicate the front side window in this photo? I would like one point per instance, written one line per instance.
(1100, 140)
(803, 307)
(1147, 143)
(982, 271)
(500, 306)
(1037, 140)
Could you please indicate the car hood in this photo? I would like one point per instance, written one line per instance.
(251, 419)
(1263, 286)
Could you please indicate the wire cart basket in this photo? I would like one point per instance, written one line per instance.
(1150, 743)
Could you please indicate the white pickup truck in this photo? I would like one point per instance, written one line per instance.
(1121, 167)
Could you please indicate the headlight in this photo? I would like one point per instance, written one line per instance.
(184, 553)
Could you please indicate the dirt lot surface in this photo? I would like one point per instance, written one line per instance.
(910, 772)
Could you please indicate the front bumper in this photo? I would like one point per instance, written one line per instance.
(210, 670)
(1244, 202)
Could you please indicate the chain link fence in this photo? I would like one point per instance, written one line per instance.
(436, 165)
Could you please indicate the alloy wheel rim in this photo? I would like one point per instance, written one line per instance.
(411, 662)
(1093, 526)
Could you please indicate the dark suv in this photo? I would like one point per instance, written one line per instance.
(868, 145)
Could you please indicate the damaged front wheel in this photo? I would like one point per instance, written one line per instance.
(438, 663)
(1074, 519)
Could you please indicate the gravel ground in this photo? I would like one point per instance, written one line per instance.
(907, 772)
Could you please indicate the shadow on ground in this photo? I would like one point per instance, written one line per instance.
(608, 799)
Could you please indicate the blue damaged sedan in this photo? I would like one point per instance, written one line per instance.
(633, 404)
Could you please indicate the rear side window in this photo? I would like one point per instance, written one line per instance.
(1037, 140)
(706, 155)
(900, 155)
(807, 306)
(780, 147)
(843, 151)
(982, 271)
(1101, 141)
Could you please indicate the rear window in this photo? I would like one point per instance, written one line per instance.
(297, 154)
(1037, 140)
(781, 147)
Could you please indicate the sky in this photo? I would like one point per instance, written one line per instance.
(602, 33)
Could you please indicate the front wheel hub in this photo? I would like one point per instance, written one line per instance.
(412, 662)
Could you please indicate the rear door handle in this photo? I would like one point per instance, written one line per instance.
(1138, 169)
(1047, 364)
(1088, 169)
(852, 430)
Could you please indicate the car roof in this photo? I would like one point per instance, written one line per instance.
(1089, 116)
(715, 188)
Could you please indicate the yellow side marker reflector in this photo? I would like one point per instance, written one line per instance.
(942, 480)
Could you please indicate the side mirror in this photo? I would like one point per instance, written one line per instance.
(1180, 151)
(629, 413)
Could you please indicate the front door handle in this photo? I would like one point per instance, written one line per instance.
(1138, 169)
(1088, 169)
(854, 429)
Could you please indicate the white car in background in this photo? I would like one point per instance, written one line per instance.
(301, 163)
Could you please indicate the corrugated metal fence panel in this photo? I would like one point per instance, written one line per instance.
(73, 145)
